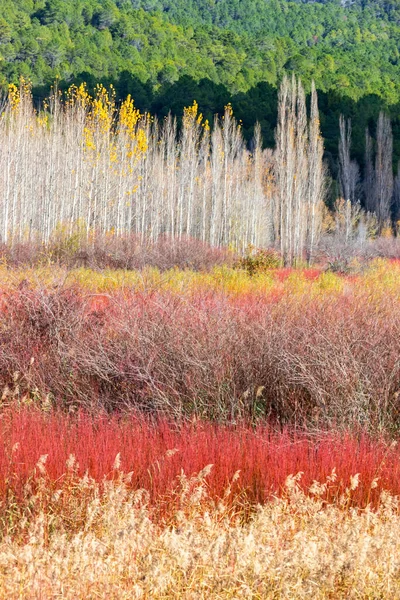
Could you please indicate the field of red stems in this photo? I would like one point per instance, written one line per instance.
(249, 463)
(290, 347)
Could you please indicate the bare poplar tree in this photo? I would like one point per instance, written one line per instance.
(286, 168)
(383, 169)
(369, 175)
(259, 169)
(299, 172)
(216, 200)
(349, 173)
(344, 157)
(169, 135)
(188, 167)
(316, 177)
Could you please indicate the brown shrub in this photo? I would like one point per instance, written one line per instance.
(118, 252)
(297, 360)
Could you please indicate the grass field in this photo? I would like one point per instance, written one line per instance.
(169, 433)
(119, 507)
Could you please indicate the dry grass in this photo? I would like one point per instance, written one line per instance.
(293, 547)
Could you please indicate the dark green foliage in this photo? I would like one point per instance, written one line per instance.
(236, 43)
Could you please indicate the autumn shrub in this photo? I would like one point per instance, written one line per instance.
(354, 255)
(258, 260)
(322, 351)
(132, 253)
(107, 251)
(22, 254)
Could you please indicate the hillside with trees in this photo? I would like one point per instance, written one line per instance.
(352, 47)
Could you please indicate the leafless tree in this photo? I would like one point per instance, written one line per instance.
(316, 177)
(80, 168)
(383, 169)
(344, 157)
(299, 172)
(349, 174)
(369, 175)
(378, 180)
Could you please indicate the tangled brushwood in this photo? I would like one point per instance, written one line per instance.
(313, 348)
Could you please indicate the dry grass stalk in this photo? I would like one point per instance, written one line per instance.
(293, 547)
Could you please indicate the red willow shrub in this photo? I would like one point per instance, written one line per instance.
(298, 359)
(157, 453)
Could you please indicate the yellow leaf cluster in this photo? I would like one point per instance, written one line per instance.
(14, 96)
(129, 115)
(191, 115)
